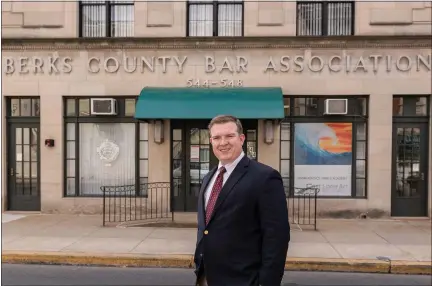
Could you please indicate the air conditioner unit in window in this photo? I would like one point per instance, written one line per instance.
(103, 106)
(336, 106)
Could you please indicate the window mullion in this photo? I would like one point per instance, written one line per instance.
(137, 158)
(77, 158)
(324, 18)
(292, 160)
(354, 160)
(215, 18)
(81, 19)
(108, 19)
(366, 123)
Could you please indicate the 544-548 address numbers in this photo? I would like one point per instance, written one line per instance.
(209, 83)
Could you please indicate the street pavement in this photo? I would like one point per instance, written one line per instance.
(403, 240)
(73, 275)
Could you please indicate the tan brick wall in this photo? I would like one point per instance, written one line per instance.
(270, 18)
(168, 18)
(160, 19)
(269, 153)
(159, 155)
(48, 19)
(393, 18)
(78, 81)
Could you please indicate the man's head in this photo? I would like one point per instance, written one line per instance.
(226, 137)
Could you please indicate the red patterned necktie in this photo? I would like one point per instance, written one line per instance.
(217, 187)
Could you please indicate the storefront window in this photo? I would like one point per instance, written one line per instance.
(325, 152)
(103, 150)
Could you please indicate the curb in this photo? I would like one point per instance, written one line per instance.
(337, 265)
(93, 259)
(401, 267)
(186, 261)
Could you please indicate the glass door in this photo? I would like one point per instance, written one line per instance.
(192, 158)
(23, 167)
(409, 170)
(200, 159)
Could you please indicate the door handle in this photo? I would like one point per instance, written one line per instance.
(422, 176)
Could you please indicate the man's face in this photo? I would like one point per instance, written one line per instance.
(226, 142)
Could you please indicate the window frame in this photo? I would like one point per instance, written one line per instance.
(34, 101)
(355, 119)
(215, 5)
(324, 16)
(411, 117)
(77, 120)
(108, 4)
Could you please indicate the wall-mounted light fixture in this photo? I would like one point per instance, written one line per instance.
(158, 131)
(268, 131)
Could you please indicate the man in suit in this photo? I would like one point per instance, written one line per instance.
(243, 228)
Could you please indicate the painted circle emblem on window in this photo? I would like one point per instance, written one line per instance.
(108, 151)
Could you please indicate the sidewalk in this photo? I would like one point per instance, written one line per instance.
(384, 246)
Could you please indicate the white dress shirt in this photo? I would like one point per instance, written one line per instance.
(229, 169)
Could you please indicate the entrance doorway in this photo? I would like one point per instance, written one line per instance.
(410, 147)
(23, 167)
(23, 154)
(192, 158)
(409, 170)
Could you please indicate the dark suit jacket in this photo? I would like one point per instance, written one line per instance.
(246, 240)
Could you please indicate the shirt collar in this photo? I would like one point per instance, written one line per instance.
(231, 166)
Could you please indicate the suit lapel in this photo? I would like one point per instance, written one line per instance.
(236, 175)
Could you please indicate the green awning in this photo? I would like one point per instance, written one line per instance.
(205, 103)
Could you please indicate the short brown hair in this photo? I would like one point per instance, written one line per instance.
(221, 119)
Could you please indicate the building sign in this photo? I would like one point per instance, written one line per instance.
(221, 68)
(323, 157)
(231, 64)
(37, 65)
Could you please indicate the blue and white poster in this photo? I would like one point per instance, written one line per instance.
(323, 157)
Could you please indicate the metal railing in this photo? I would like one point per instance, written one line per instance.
(126, 203)
(302, 206)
